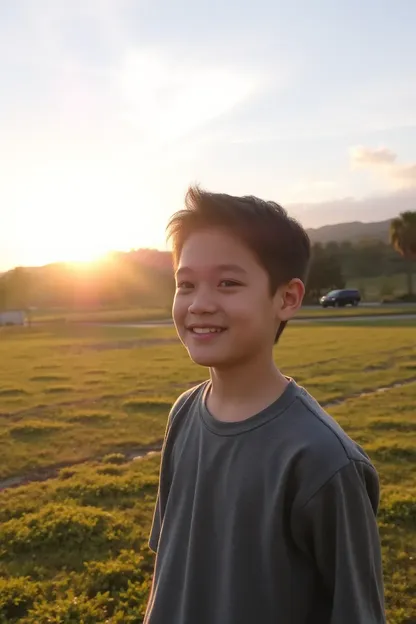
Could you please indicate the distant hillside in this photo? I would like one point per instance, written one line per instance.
(352, 232)
(153, 258)
(162, 260)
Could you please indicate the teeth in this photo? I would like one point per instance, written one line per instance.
(206, 330)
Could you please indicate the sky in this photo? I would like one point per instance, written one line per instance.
(109, 109)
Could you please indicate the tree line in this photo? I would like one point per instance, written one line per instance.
(144, 277)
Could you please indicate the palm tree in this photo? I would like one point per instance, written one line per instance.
(403, 239)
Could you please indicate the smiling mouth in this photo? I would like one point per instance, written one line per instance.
(201, 331)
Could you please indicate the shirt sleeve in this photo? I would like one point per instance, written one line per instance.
(337, 528)
(162, 494)
(156, 524)
(161, 498)
(165, 473)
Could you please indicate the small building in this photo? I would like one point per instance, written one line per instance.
(13, 317)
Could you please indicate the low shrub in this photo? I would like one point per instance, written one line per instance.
(58, 526)
(147, 407)
(17, 595)
(35, 428)
(69, 609)
(12, 392)
(58, 389)
(106, 489)
(114, 575)
(115, 458)
(399, 511)
(90, 418)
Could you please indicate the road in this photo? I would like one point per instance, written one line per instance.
(374, 304)
(351, 318)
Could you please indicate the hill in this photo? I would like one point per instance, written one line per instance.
(353, 232)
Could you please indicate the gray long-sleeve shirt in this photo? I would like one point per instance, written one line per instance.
(271, 520)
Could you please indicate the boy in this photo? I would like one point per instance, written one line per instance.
(266, 510)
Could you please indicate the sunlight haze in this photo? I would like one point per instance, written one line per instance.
(110, 108)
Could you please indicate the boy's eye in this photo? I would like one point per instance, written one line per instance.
(228, 283)
(184, 285)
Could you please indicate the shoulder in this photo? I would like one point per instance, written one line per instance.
(186, 399)
(323, 448)
(323, 432)
(179, 413)
(183, 405)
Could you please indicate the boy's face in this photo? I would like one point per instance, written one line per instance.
(223, 311)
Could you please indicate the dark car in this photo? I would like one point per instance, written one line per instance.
(338, 298)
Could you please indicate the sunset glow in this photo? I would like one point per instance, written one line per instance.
(110, 110)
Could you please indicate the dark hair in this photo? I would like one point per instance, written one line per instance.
(279, 242)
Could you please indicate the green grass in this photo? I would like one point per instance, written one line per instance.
(93, 390)
(385, 424)
(366, 322)
(74, 548)
(359, 311)
(123, 315)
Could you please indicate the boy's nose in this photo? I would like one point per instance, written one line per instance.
(202, 303)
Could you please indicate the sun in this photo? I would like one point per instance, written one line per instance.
(86, 255)
(84, 210)
(69, 252)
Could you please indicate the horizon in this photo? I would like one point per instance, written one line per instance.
(102, 258)
(110, 110)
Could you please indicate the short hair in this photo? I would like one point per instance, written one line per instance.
(279, 242)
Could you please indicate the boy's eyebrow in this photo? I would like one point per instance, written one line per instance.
(234, 268)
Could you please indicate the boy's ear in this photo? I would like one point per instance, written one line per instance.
(288, 299)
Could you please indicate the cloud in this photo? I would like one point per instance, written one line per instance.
(405, 174)
(382, 161)
(368, 157)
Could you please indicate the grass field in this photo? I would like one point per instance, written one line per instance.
(73, 548)
(359, 311)
(123, 315)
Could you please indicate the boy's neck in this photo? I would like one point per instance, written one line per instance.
(240, 392)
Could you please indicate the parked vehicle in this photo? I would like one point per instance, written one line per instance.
(339, 298)
(13, 317)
